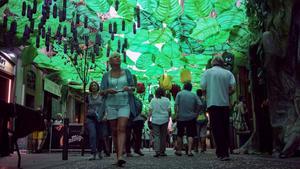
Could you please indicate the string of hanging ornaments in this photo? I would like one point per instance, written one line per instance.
(71, 40)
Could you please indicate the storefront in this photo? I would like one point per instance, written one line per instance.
(7, 76)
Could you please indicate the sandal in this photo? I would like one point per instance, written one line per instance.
(177, 153)
(121, 163)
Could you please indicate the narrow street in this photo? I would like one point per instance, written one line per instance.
(198, 161)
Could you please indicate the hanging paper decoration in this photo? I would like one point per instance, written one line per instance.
(24, 8)
(31, 25)
(134, 28)
(185, 76)
(13, 27)
(140, 87)
(110, 28)
(37, 41)
(4, 24)
(124, 56)
(165, 82)
(34, 8)
(116, 5)
(65, 32)
(86, 21)
(101, 27)
(77, 19)
(29, 12)
(115, 27)
(123, 25)
(54, 12)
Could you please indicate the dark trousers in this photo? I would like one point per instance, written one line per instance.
(137, 128)
(219, 121)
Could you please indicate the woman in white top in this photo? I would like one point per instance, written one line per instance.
(160, 111)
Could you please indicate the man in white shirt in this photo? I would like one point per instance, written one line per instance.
(218, 84)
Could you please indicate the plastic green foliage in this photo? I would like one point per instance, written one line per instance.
(167, 10)
(218, 38)
(229, 19)
(169, 38)
(160, 36)
(97, 6)
(205, 28)
(196, 9)
(144, 61)
(223, 5)
(148, 5)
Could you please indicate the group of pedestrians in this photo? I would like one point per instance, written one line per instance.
(114, 101)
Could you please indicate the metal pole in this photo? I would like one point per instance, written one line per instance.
(65, 140)
(85, 71)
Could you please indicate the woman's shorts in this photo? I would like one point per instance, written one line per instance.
(115, 112)
(37, 135)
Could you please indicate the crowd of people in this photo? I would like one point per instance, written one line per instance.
(113, 109)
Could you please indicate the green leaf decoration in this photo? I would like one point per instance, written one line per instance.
(229, 19)
(144, 61)
(163, 61)
(182, 26)
(205, 28)
(171, 49)
(167, 10)
(148, 5)
(197, 9)
(219, 38)
(126, 9)
(148, 21)
(223, 5)
(160, 35)
(97, 6)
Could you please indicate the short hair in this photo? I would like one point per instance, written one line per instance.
(114, 54)
(188, 86)
(218, 61)
(94, 82)
(160, 92)
(199, 92)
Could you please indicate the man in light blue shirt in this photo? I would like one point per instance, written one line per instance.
(218, 84)
(187, 105)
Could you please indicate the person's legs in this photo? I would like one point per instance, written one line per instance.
(180, 133)
(191, 131)
(121, 135)
(215, 122)
(91, 125)
(113, 126)
(225, 132)
(156, 133)
(137, 132)
(128, 140)
(163, 138)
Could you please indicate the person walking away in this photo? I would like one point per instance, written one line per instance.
(118, 86)
(187, 104)
(218, 84)
(160, 111)
(201, 123)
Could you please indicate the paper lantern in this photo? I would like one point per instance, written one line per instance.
(185, 76)
(165, 82)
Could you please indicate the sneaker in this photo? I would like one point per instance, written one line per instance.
(121, 163)
(100, 156)
(139, 153)
(163, 154)
(178, 153)
(92, 157)
(156, 155)
(129, 155)
(190, 154)
(224, 158)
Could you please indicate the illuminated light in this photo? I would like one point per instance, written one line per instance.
(9, 90)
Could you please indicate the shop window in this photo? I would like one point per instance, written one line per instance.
(30, 79)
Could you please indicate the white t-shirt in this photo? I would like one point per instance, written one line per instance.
(216, 81)
(160, 110)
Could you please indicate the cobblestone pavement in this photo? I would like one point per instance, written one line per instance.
(198, 161)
